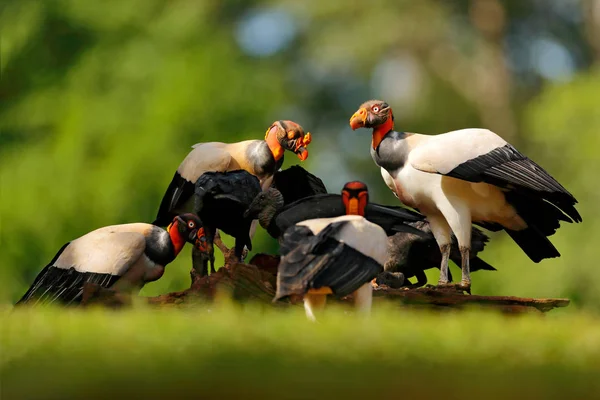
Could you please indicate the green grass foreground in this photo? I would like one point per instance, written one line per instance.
(253, 352)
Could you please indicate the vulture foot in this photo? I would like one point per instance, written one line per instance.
(458, 287)
(395, 280)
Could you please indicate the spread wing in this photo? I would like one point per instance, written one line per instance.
(479, 155)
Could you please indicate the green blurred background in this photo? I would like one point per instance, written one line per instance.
(101, 100)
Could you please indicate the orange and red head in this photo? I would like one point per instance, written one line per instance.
(186, 228)
(376, 114)
(355, 196)
(288, 135)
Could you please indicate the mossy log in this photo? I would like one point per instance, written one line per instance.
(256, 282)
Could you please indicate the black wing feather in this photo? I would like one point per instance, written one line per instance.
(63, 285)
(506, 167)
(239, 185)
(180, 190)
(296, 183)
(312, 262)
(391, 219)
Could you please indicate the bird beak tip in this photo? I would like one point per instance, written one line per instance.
(358, 119)
(302, 153)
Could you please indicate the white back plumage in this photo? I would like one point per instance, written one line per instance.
(364, 236)
(108, 250)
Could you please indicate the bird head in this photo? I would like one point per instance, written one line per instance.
(372, 114)
(355, 196)
(288, 135)
(264, 206)
(185, 228)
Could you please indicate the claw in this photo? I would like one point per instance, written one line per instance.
(459, 287)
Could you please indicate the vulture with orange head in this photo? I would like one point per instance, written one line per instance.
(261, 158)
(122, 257)
(412, 248)
(468, 176)
(338, 256)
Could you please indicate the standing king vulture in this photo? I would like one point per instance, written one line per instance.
(338, 256)
(123, 257)
(261, 158)
(465, 176)
(220, 201)
(410, 253)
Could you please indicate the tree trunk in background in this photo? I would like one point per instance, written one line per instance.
(591, 15)
(482, 77)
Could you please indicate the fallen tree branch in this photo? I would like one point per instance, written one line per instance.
(256, 281)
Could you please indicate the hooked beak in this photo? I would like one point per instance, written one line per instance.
(358, 119)
(301, 147)
(177, 219)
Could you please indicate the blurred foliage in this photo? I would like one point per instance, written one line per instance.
(222, 352)
(100, 101)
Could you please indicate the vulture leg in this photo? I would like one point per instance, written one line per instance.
(363, 298)
(313, 304)
(461, 226)
(443, 237)
(445, 249)
(210, 233)
(421, 280)
(239, 249)
(200, 261)
(466, 272)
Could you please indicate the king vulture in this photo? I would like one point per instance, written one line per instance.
(261, 158)
(220, 201)
(465, 176)
(338, 256)
(123, 257)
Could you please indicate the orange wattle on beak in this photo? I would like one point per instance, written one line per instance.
(352, 208)
(358, 119)
(301, 146)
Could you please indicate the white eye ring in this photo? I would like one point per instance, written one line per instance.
(191, 224)
(376, 108)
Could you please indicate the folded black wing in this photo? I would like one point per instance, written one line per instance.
(506, 167)
(180, 190)
(60, 285)
(296, 183)
(317, 261)
(238, 186)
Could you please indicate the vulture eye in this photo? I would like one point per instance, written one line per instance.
(375, 108)
(191, 224)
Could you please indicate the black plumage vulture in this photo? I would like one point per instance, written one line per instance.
(221, 199)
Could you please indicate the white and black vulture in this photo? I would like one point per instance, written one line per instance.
(468, 176)
(221, 198)
(261, 158)
(122, 257)
(338, 256)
